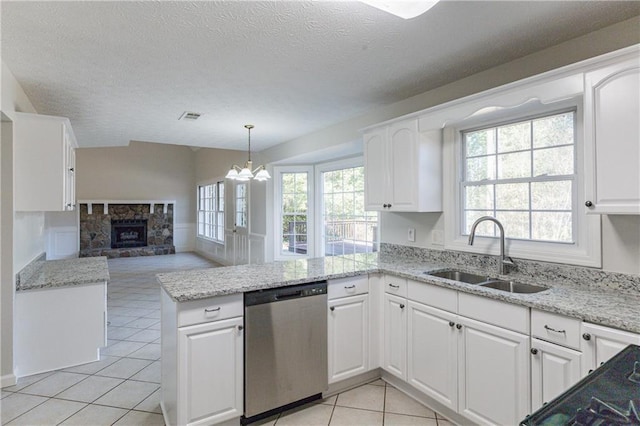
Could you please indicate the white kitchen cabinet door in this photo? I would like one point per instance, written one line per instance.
(433, 353)
(493, 373)
(612, 138)
(395, 336)
(70, 183)
(210, 372)
(403, 168)
(554, 369)
(376, 170)
(44, 154)
(403, 185)
(600, 343)
(348, 337)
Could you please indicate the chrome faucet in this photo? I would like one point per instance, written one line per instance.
(502, 260)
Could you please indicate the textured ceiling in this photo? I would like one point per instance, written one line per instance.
(126, 71)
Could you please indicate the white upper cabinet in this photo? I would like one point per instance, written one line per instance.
(403, 168)
(44, 149)
(612, 138)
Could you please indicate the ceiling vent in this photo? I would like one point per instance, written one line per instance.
(188, 115)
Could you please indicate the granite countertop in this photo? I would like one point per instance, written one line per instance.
(43, 274)
(601, 305)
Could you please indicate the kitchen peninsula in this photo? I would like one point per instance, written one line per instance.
(583, 310)
(60, 314)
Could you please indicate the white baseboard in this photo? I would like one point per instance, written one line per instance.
(210, 256)
(8, 380)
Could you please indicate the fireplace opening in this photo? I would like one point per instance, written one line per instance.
(128, 233)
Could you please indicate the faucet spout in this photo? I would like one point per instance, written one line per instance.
(503, 260)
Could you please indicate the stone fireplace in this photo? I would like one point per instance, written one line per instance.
(126, 229)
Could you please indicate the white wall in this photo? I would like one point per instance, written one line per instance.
(621, 235)
(143, 171)
(15, 253)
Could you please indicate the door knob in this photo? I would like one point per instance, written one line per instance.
(588, 204)
(458, 326)
(586, 336)
(534, 351)
(451, 323)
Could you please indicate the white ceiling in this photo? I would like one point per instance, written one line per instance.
(126, 71)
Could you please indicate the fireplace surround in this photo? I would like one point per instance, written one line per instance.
(126, 229)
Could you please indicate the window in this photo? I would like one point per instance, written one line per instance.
(525, 166)
(334, 194)
(293, 188)
(295, 205)
(347, 227)
(241, 205)
(523, 174)
(211, 211)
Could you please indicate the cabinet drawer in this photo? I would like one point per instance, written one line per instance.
(212, 309)
(503, 314)
(351, 286)
(395, 285)
(555, 328)
(432, 295)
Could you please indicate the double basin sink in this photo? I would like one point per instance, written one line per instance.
(487, 282)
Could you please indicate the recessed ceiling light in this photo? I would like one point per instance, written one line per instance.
(401, 8)
(188, 115)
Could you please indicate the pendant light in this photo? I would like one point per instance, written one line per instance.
(245, 173)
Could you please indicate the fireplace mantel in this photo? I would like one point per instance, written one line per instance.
(105, 203)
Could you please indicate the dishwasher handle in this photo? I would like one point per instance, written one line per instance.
(285, 296)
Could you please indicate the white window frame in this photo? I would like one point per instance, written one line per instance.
(216, 226)
(346, 163)
(278, 171)
(586, 249)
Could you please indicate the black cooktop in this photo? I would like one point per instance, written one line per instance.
(608, 396)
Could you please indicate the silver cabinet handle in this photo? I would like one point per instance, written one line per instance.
(394, 286)
(208, 311)
(348, 287)
(554, 330)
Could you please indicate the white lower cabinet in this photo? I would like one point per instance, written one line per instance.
(202, 360)
(600, 343)
(493, 373)
(212, 392)
(476, 369)
(554, 369)
(348, 337)
(394, 359)
(433, 353)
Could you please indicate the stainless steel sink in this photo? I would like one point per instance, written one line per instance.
(512, 286)
(464, 277)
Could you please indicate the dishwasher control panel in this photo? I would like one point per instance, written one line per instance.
(271, 295)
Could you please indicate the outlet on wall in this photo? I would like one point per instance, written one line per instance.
(411, 234)
(437, 237)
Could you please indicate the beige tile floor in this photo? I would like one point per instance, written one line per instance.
(123, 388)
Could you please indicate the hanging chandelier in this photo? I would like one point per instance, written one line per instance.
(245, 173)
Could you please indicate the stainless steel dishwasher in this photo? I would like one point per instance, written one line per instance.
(285, 348)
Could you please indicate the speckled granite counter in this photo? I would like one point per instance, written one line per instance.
(63, 273)
(601, 304)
